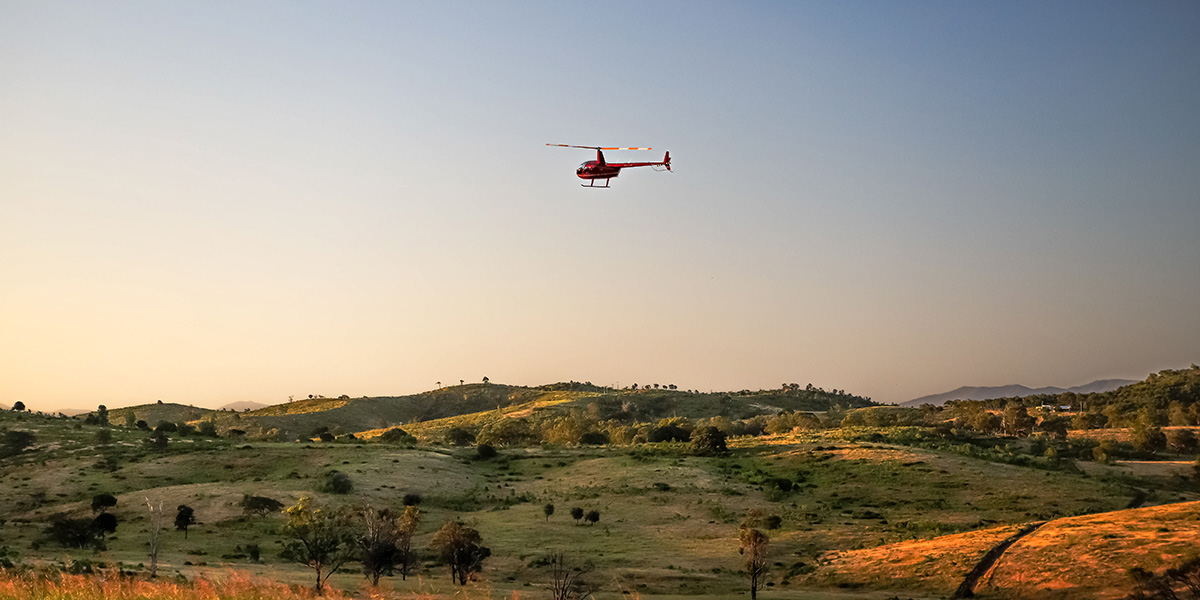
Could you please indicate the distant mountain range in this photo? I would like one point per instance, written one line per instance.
(1015, 391)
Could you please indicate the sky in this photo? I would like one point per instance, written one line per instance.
(211, 202)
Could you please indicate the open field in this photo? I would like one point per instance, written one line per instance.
(865, 512)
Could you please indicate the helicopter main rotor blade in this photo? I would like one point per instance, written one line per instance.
(595, 147)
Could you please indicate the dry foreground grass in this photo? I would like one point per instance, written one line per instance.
(865, 520)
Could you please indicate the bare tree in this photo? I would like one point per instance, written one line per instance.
(567, 583)
(155, 526)
(754, 550)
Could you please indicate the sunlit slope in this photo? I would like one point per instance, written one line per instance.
(1069, 558)
(1088, 556)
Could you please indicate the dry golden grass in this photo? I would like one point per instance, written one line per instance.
(1089, 556)
(936, 564)
(113, 586)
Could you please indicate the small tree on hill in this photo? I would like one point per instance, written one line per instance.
(754, 551)
(592, 517)
(548, 510)
(577, 514)
(207, 429)
(184, 518)
(154, 527)
(318, 538)
(102, 416)
(461, 548)
(18, 406)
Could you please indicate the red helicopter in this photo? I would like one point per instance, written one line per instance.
(600, 169)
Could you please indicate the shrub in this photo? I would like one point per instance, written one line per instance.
(668, 433)
(336, 482)
(260, 505)
(396, 435)
(773, 522)
(592, 517)
(577, 513)
(166, 426)
(457, 436)
(412, 499)
(326, 436)
(208, 429)
(594, 438)
(14, 442)
(708, 440)
(485, 451)
(1182, 440)
(1148, 439)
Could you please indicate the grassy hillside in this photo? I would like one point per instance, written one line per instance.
(1073, 557)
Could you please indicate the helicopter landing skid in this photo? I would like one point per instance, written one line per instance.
(592, 183)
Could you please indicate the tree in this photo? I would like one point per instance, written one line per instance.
(592, 517)
(75, 533)
(102, 416)
(104, 523)
(260, 505)
(184, 518)
(461, 548)
(158, 440)
(103, 502)
(754, 551)
(18, 406)
(567, 583)
(1148, 438)
(104, 437)
(408, 528)
(548, 510)
(318, 538)
(130, 418)
(1017, 420)
(379, 544)
(485, 380)
(577, 514)
(708, 441)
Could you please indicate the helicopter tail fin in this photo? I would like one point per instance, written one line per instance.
(667, 160)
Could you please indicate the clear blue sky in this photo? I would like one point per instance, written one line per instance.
(207, 202)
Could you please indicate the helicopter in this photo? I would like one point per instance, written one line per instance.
(601, 169)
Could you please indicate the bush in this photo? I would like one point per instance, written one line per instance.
(336, 482)
(1182, 440)
(457, 436)
(14, 442)
(260, 505)
(208, 429)
(412, 499)
(166, 426)
(773, 522)
(396, 435)
(485, 452)
(668, 433)
(594, 438)
(708, 440)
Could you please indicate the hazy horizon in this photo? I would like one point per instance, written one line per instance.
(210, 203)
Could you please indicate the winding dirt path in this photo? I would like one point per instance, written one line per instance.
(989, 560)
